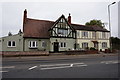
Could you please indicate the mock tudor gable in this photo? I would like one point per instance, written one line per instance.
(62, 28)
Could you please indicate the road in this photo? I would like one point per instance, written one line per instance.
(64, 67)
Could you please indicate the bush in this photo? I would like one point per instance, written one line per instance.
(92, 48)
(87, 48)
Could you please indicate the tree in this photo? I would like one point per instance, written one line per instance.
(20, 31)
(115, 43)
(9, 34)
(95, 22)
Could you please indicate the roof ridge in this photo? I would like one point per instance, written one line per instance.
(40, 20)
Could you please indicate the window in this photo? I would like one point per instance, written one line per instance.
(11, 44)
(84, 45)
(62, 44)
(62, 32)
(44, 44)
(78, 34)
(33, 44)
(93, 34)
(84, 34)
(104, 45)
(103, 35)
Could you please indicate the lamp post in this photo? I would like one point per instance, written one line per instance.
(110, 24)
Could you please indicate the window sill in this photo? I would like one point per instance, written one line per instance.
(32, 47)
(11, 46)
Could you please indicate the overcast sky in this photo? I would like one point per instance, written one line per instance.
(81, 12)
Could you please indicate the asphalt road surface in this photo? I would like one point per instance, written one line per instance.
(65, 67)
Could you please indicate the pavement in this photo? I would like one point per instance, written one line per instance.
(52, 57)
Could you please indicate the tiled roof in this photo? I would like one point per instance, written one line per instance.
(40, 28)
(37, 28)
(88, 28)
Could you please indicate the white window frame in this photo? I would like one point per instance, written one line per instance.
(11, 42)
(104, 44)
(103, 35)
(84, 34)
(84, 45)
(62, 44)
(93, 34)
(31, 44)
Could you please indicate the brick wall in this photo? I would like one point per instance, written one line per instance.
(26, 53)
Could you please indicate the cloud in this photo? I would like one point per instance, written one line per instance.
(81, 13)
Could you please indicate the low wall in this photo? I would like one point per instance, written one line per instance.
(26, 53)
(75, 52)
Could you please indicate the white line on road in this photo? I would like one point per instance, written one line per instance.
(58, 66)
(3, 71)
(109, 62)
(8, 67)
(77, 63)
(55, 67)
(32, 67)
(49, 65)
(80, 65)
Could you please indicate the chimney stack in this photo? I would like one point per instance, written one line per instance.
(69, 19)
(24, 18)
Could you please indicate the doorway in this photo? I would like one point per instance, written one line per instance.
(56, 46)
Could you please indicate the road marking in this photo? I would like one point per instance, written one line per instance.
(80, 65)
(3, 71)
(71, 65)
(8, 67)
(109, 62)
(77, 63)
(58, 66)
(32, 67)
(55, 67)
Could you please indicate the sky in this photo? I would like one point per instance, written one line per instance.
(81, 11)
(119, 19)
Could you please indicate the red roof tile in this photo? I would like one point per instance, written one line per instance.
(40, 28)
(37, 28)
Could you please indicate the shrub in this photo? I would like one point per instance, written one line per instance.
(92, 48)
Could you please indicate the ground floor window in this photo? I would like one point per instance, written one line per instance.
(33, 44)
(62, 44)
(44, 44)
(84, 45)
(11, 44)
(104, 45)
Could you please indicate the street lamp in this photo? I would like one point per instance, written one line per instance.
(110, 24)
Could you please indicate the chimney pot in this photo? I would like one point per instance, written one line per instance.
(69, 19)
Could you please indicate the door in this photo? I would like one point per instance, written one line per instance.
(56, 46)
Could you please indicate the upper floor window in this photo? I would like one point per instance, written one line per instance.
(33, 44)
(104, 45)
(62, 32)
(11, 44)
(78, 34)
(103, 35)
(93, 34)
(44, 44)
(84, 34)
